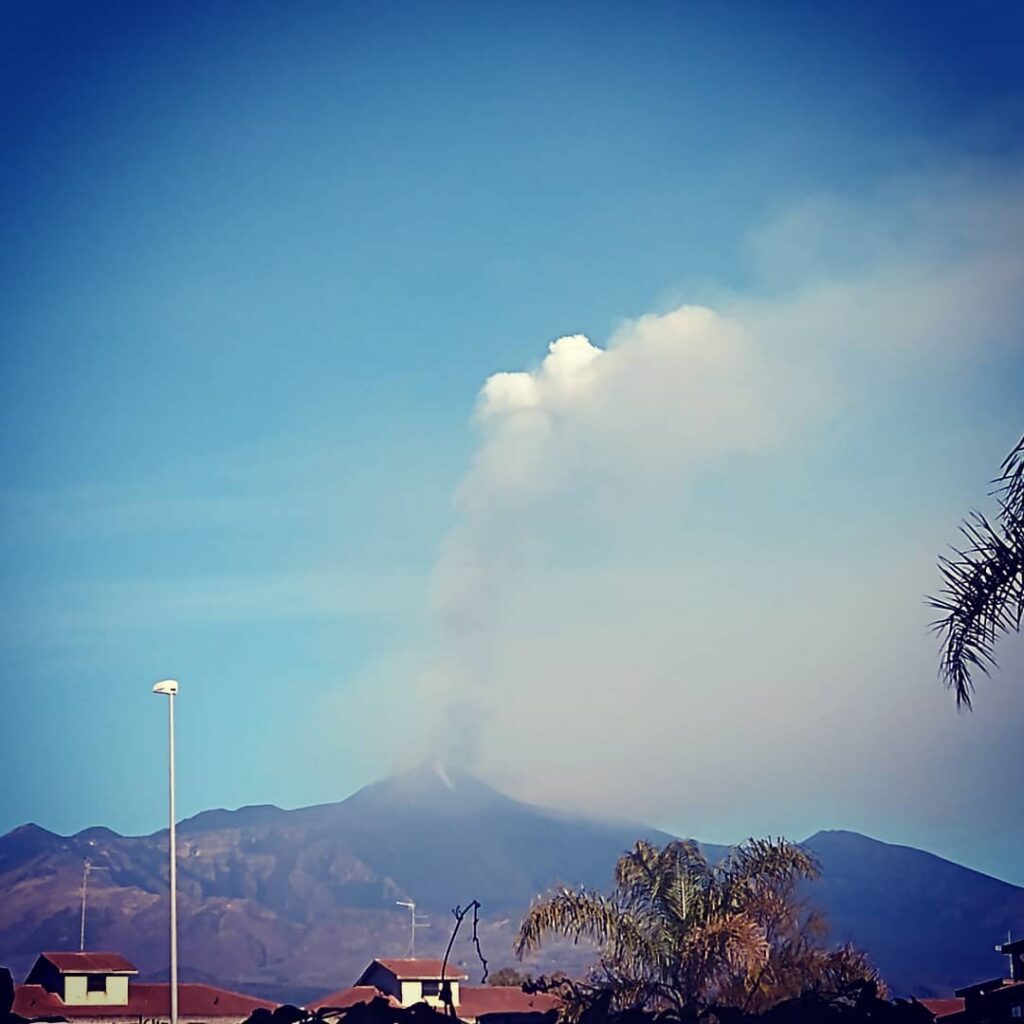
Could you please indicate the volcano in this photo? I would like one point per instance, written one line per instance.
(290, 904)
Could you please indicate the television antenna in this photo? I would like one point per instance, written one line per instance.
(415, 921)
(87, 866)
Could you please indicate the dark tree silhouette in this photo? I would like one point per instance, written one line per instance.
(982, 597)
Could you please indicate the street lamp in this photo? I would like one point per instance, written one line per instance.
(168, 688)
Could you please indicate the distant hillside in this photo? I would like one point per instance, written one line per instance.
(930, 924)
(293, 903)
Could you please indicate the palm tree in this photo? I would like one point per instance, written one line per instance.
(983, 584)
(679, 932)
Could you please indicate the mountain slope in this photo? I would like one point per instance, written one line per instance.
(293, 903)
(470, 842)
(929, 924)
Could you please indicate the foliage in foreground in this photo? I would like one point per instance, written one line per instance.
(982, 595)
(857, 1003)
(508, 976)
(680, 934)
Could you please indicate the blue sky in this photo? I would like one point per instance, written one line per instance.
(257, 265)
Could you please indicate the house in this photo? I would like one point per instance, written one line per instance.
(410, 981)
(405, 982)
(84, 979)
(996, 1001)
(97, 988)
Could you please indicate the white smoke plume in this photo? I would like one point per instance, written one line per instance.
(648, 606)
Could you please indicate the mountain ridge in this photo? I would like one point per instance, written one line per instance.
(824, 832)
(294, 902)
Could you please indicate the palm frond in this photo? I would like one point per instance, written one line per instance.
(759, 868)
(663, 883)
(724, 949)
(578, 914)
(982, 596)
(1010, 482)
(678, 932)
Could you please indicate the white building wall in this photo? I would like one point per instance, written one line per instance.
(113, 993)
(117, 990)
(412, 992)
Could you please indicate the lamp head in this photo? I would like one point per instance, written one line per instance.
(166, 686)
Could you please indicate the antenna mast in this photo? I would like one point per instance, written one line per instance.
(85, 889)
(415, 921)
(87, 866)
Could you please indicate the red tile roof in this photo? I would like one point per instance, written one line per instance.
(479, 1000)
(90, 963)
(143, 1001)
(474, 1000)
(349, 997)
(941, 1007)
(419, 969)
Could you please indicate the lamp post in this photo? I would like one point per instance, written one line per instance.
(169, 687)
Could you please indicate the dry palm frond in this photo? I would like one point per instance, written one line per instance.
(677, 932)
(762, 870)
(723, 949)
(578, 914)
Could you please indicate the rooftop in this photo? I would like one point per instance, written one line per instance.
(478, 1000)
(419, 969)
(350, 996)
(144, 1000)
(90, 963)
(984, 988)
(941, 1007)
